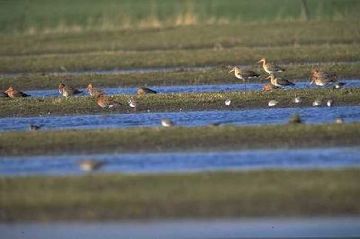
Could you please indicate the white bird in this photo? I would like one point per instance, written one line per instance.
(330, 103)
(132, 103)
(297, 100)
(339, 120)
(90, 165)
(272, 103)
(167, 123)
(316, 103)
(227, 102)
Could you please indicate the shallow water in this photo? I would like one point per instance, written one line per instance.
(337, 227)
(189, 119)
(185, 161)
(190, 88)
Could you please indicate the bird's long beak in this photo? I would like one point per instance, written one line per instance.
(233, 69)
(311, 82)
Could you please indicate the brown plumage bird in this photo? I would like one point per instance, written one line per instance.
(67, 91)
(94, 91)
(322, 78)
(269, 87)
(145, 90)
(12, 93)
(106, 102)
(244, 75)
(278, 82)
(270, 68)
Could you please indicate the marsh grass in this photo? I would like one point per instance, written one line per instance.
(178, 139)
(198, 195)
(173, 102)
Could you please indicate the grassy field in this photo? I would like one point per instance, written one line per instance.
(174, 102)
(178, 138)
(221, 194)
(198, 57)
(23, 16)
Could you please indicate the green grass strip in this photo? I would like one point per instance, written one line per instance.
(198, 195)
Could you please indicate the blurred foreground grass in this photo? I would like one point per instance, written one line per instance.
(207, 194)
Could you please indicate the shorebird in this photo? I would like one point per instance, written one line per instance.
(269, 87)
(339, 120)
(273, 103)
(90, 165)
(94, 91)
(322, 78)
(244, 75)
(67, 91)
(106, 102)
(12, 93)
(132, 103)
(316, 103)
(34, 127)
(144, 91)
(270, 68)
(339, 85)
(227, 102)
(330, 103)
(298, 100)
(295, 119)
(167, 123)
(278, 82)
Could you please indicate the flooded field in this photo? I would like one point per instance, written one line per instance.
(191, 88)
(311, 115)
(184, 161)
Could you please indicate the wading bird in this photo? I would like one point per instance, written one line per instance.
(244, 75)
(270, 68)
(167, 123)
(90, 165)
(67, 91)
(278, 82)
(106, 102)
(12, 93)
(94, 91)
(144, 91)
(322, 78)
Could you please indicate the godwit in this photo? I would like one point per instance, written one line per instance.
(12, 93)
(278, 82)
(144, 91)
(67, 91)
(94, 91)
(244, 74)
(227, 102)
(270, 68)
(322, 78)
(106, 102)
(316, 103)
(330, 103)
(90, 165)
(272, 103)
(167, 123)
(297, 100)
